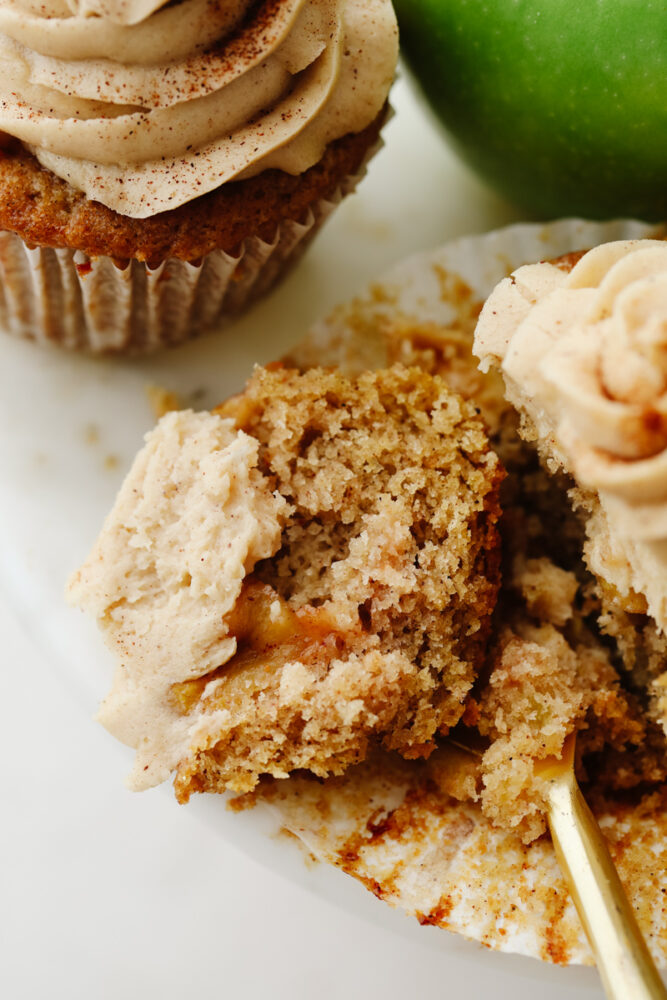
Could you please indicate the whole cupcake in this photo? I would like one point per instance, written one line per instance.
(161, 164)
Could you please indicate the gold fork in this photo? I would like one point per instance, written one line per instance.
(626, 967)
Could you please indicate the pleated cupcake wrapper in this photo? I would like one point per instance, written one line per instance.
(99, 305)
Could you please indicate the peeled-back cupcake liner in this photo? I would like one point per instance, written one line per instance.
(386, 821)
(100, 305)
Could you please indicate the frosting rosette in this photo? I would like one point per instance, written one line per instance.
(144, 105)
(583, 351)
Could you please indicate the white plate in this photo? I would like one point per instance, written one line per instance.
(70, 426)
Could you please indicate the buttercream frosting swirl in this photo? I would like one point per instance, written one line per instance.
(145, 105)
(584, 356)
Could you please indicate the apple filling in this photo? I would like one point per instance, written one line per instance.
(269, 635)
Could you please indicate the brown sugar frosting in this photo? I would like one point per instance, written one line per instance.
(205, 92)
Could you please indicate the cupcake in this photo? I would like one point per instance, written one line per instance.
(162, 164)
(580, 342)
(306, 574)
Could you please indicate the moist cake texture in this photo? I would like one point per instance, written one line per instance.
(442, 838)
(352, 629)
(553, 666)
(358, 616)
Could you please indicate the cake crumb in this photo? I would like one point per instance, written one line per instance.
(162, 400)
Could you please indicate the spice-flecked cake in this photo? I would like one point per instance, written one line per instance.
(553, 666)
(306, 573)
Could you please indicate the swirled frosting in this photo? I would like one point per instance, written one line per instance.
(145, 105)
(584, 356)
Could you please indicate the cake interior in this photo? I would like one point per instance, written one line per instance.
(564, 654)
(560, 658)
(427, 594)
(306, 574)
(369, 624)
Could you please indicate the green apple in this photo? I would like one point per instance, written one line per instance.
(561, 105)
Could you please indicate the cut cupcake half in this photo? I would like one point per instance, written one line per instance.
(581, 343)
(303, 575)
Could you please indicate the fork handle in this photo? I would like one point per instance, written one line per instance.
(626, 967)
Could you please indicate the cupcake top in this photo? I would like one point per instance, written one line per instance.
(583, 351)
(145, 105)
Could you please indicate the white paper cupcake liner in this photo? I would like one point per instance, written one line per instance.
(64, 297)
(434, 289)
(450, 866)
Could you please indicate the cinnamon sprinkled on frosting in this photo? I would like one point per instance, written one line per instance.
(207, 91)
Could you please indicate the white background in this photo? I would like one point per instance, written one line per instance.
(108, 894)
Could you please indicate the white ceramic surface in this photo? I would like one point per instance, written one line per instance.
(107, 894)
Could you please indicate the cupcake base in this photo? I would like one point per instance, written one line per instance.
(131, 300)
(97, 304)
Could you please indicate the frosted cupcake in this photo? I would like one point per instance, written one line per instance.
(581, 345)
(143, 200)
